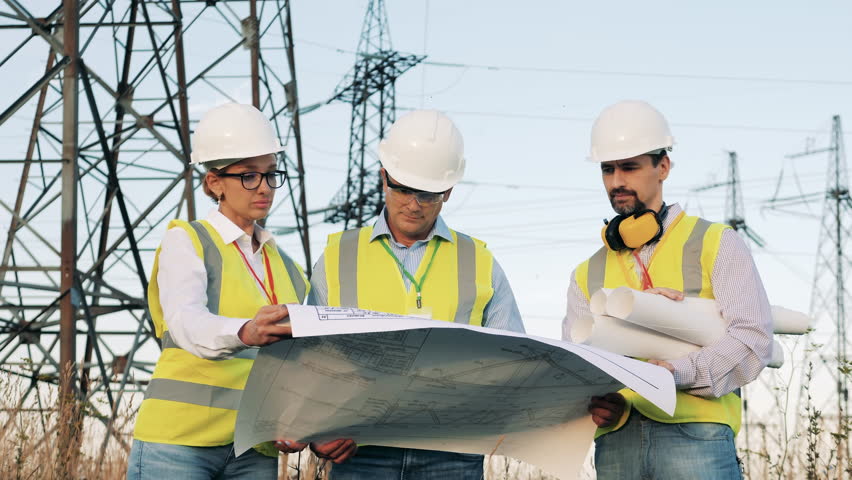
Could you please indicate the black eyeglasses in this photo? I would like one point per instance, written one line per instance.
(422, 197)
(251, 180)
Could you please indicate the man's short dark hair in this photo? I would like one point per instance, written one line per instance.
(657, 157)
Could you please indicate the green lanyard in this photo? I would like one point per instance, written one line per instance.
(417, 285)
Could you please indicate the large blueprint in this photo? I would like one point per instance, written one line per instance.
(385, 379)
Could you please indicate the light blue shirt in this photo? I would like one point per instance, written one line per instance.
(500, 312)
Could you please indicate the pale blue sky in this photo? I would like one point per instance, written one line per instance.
(755, 78)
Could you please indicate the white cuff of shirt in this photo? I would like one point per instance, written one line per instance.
(229, 334)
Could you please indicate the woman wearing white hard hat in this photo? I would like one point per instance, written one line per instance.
(218, 290)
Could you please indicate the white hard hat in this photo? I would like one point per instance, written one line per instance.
(231, 132)
(627, 129)
(424, 150)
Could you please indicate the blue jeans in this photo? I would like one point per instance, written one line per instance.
(389, 463)
(162, 461)
(645, 449)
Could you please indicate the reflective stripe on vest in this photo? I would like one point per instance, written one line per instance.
(697, 241)
(467, 277)
(469, 291)
(296, 277)
(190, 400)
(249, 353)
(349, 268)
(194, 393)
(213, 265)
(692, 271)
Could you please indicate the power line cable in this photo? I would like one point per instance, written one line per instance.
(624, 73)
(602, 72)
(562, 118)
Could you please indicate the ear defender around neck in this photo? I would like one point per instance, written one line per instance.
(632, 231)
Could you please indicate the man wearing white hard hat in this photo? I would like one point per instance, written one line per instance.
(218, 290)
(411, 262)
(656, 247)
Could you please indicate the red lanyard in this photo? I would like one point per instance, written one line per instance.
(273, 299)
(646, 277)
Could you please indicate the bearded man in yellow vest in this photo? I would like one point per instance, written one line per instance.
(410, 262)
(656, 247)
(218, 291)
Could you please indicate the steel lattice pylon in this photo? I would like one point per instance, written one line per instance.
(96, 135)
(830, 296)
(825, 389)
(370, 89)
(734, 206)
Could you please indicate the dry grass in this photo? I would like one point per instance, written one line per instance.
(40, 439)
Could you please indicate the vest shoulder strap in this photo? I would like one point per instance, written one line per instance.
(699, 255)
(594, 270)
(344, 245)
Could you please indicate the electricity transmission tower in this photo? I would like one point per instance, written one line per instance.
(734, 206)
(370, 88)
(830, 295)
(96, 141)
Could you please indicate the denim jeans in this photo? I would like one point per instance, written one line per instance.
(389, 463)
(645, 449)
(162, 461)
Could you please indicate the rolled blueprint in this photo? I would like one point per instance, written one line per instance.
(625, 338)
(695, 320)
(777, 355)
(597, 304)
(789, 322)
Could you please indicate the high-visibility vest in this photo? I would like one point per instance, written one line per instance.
(683, 260)
(360, 273)
(190, 400)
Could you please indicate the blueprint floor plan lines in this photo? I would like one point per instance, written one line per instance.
(392, 352)
(386, 379)
(526, 371)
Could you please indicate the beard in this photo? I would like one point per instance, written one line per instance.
(625, 208)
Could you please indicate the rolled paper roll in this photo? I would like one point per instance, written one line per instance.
(625, 338)
(693, 320)
(777, 355)
(789, 322)
(597, 304)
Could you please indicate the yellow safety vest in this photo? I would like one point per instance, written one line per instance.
(190, 400)
(683, 260)
(360, 273)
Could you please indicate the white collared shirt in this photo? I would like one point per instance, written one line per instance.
(182, 279)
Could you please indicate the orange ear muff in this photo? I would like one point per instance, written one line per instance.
(640, 229)
(632, 231)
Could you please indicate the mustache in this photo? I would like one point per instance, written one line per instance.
(621, 191)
